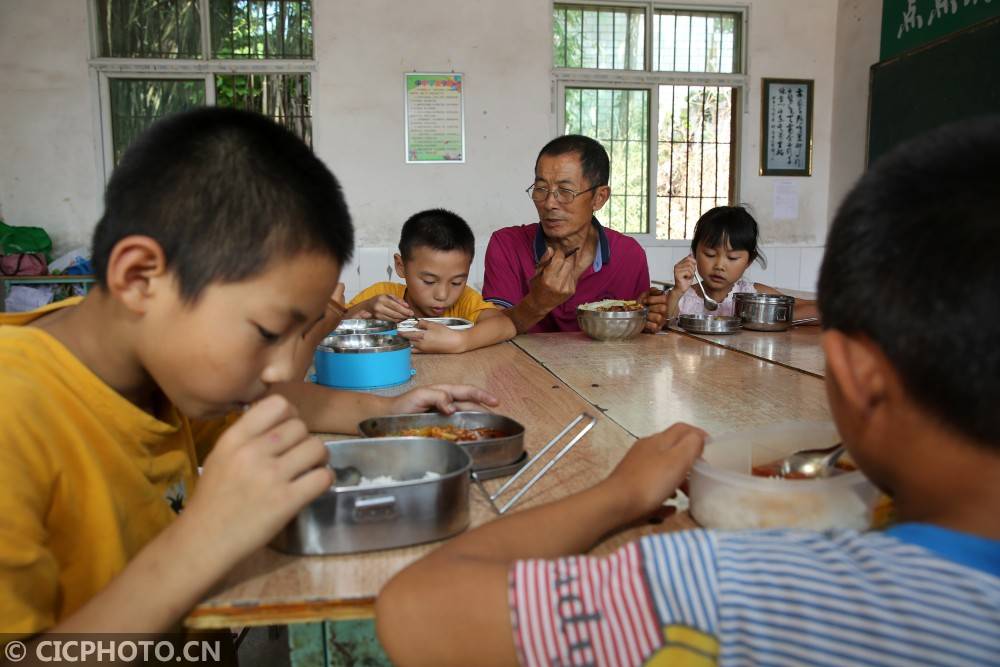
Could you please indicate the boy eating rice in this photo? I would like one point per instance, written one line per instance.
(222, 239)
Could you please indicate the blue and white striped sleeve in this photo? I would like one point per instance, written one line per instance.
(682, 577)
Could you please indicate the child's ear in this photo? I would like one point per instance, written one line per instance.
(858, 368)
(136, 269)
(400, 266)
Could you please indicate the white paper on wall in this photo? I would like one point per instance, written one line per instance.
(786, 199)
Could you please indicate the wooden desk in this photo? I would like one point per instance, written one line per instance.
(272, 588)
(648, 383)
(797, 348)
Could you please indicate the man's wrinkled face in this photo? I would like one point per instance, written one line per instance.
(564, 171)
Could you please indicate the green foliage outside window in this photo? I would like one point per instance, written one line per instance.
(240, 30)
(144, 29)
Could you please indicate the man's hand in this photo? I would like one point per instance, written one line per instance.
(656, 301)
(263, 470)
(655, 467)
(445, 398)
(555, 279)
(382, 307)
(432, 337)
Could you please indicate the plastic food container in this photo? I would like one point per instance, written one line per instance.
(724, 495)
(363, 361)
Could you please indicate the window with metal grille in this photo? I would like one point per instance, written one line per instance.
(667, 114)
(155, 57)
(617, 118)
(261, 29)
(598, 37)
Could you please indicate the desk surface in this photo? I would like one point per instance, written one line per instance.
(270, 587)
(648, 383)
(798, 348)
(634, 388)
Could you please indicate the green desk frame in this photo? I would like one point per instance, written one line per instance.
(6, 282)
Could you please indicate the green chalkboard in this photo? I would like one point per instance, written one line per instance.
(907, 24)
(955, 77)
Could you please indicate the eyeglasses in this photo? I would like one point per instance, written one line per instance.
(563, 195)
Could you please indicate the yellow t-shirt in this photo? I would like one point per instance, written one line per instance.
(469, 306)
(86, 477)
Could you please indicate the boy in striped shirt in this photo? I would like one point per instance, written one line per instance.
(913, 378)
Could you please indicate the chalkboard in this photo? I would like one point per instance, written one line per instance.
(955, 77)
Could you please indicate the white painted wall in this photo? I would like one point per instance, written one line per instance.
(790, 39)
(48, 133)
(363, 49)
(48, 163)
(858, 35)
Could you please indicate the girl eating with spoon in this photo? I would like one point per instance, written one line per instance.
(725, 243)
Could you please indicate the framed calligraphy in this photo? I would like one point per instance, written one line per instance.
(786, 127)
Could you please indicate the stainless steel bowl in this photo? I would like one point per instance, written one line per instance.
(362, 343)
(764, 312)
(601, 325)
(456, 323)
(486, 454)
(709, 324)
(357, 326)
(411, 510)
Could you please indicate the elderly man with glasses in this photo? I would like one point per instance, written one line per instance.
(540, 273)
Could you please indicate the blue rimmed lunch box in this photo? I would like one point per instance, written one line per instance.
(363, 361)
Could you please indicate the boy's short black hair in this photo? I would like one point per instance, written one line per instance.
(729, 224)
(911, 263)
(593, 158)
(223, 192)
(438, 229)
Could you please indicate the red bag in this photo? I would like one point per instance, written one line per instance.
(24, 264)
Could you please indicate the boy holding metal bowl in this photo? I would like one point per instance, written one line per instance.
(436, 248)
(913, 378)
(222, 239)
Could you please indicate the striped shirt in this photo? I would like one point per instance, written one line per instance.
(912, 595)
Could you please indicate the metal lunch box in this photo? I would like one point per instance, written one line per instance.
(709, 324)
(486, 454)
(358, 326)
(409, 510)
(363, 361)
(764, 312)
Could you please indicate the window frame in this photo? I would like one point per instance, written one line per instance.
(647, 78)
(103, 69)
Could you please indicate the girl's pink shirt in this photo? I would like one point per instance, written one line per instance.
(692, 303)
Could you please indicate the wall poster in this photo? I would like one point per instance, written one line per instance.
(435, 118)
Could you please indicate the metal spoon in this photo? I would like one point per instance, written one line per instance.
(710, 303)
(813, 462)
(346, 476)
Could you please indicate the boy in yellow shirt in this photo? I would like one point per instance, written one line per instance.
(222, 239)
(436, 248)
